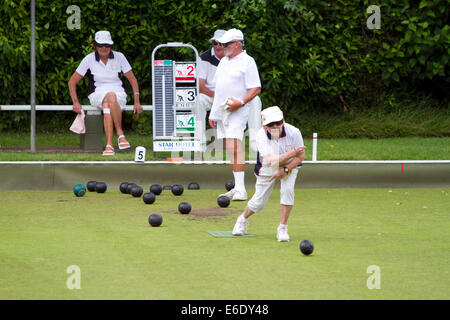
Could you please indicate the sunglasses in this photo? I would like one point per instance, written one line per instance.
(215, 43)
(228, 43)
(272, 124)
(103, 45)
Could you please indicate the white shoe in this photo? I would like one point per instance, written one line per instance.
(109, 150)
(282, 234)
(239, 196)
(124, 144)
(240, 228)
(229, 194)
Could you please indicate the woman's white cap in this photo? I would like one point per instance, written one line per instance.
(103, 37)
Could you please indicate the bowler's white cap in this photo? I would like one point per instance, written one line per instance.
(230, 35)
(217, 34)
(271, 114)
(103, 37)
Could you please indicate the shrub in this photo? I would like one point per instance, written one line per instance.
(313, 56)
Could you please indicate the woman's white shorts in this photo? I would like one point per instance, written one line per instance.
(96, 98)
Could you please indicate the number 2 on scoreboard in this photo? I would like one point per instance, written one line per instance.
(191, 70)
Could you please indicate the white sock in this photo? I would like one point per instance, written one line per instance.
(239, 183)
(282, 226)
(242, 217)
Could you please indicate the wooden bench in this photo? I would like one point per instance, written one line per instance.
(93, 138)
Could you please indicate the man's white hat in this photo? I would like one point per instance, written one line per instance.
(271, 114)
(230, 35)
(217, 34)
(103, 37)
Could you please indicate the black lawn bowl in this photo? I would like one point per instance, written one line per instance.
(130, 186)
(100, 187)
(229, 185)
(123, 187)
(91, 185)
(184, 207)
(193, 186)
(155, 220)
(167, 188)
(137, 191)
(156, 189)
(177, 189)
(223, 201)
(149, 198)
(306, 247)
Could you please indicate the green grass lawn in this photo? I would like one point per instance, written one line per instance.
(407, 148)
(402, 231)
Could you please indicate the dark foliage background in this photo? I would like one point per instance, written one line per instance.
(313, 56)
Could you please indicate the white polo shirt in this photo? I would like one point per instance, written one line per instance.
(104, 77)
(207, 68)
(234, 78)
(290, 138)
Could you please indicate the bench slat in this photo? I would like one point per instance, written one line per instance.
(62, 108)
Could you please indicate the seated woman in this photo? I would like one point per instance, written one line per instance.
(103, 67)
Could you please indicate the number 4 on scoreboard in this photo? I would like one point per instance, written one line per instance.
(185, 123)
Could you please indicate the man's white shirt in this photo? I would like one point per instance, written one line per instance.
(234, 78)
(207, 71)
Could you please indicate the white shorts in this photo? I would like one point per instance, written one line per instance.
(96, 98)
(263, 190)
(230, 131)
(202, 105)
(203, 102)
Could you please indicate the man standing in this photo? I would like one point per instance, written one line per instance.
(280, 152)
(209, 60)
(237, 84)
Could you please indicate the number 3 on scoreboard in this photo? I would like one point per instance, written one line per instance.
(191, 95)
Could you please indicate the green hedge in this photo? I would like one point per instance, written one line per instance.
(312, 55)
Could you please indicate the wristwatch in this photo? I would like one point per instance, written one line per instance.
(242, 103)
(286, 170)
